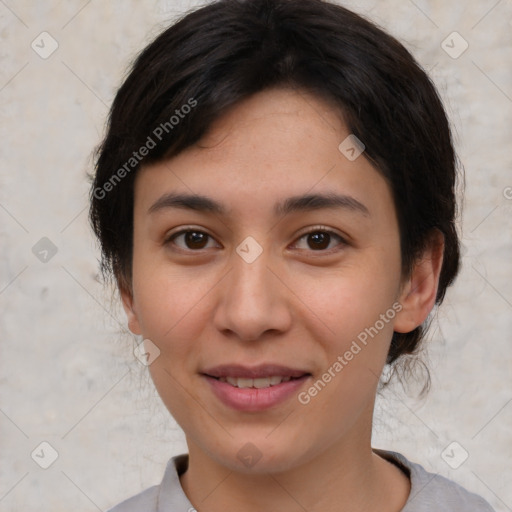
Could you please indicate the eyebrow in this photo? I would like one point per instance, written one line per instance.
(306, 202)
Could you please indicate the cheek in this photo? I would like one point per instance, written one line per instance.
(172, 314)
(169, 303)
(357, 307)
(350, 299)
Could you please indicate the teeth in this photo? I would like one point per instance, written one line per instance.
(263, 382)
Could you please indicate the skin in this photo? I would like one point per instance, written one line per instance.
(295, 305)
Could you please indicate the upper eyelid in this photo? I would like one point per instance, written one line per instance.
(325, 229)
(187, 229)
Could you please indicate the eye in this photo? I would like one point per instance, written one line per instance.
(319, 239)
(193, 239)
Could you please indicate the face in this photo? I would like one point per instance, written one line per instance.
(251, 282)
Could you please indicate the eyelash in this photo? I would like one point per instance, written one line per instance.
(315, 230)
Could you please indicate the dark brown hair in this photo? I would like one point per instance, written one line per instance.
(222, 53)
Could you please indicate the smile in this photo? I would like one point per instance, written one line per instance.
(263, 382)
(254, 389)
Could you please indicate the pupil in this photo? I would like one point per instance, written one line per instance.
(320, 240)
(195, 239)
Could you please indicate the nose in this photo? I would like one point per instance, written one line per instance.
(253, 301)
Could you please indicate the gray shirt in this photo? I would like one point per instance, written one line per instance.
(429, 492)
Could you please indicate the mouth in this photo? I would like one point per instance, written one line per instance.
(261, 376)
(254, 388)
(259, 383)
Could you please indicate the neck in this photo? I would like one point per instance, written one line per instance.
(346, 477)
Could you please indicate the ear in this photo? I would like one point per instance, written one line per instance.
(129, 309)
(418, 292)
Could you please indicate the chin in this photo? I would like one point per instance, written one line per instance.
(259, 457)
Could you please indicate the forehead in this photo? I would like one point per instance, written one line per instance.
(277, 144)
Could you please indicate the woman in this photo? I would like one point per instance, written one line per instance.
(275, 200)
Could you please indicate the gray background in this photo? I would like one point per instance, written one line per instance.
(68, 373)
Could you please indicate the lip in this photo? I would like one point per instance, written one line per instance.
(253, 372)
(253, 399)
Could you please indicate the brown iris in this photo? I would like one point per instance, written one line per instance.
(320, 240)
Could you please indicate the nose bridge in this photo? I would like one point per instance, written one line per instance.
(250, 279)
(250, 303)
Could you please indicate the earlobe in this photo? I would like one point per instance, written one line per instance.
(129, 309)
(418, 294)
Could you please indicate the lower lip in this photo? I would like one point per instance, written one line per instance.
(252, 399)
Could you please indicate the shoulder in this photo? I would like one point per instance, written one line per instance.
(146, 500)
(168, 495)
(431, 491)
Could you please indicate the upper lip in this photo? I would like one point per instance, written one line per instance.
(254, 372)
